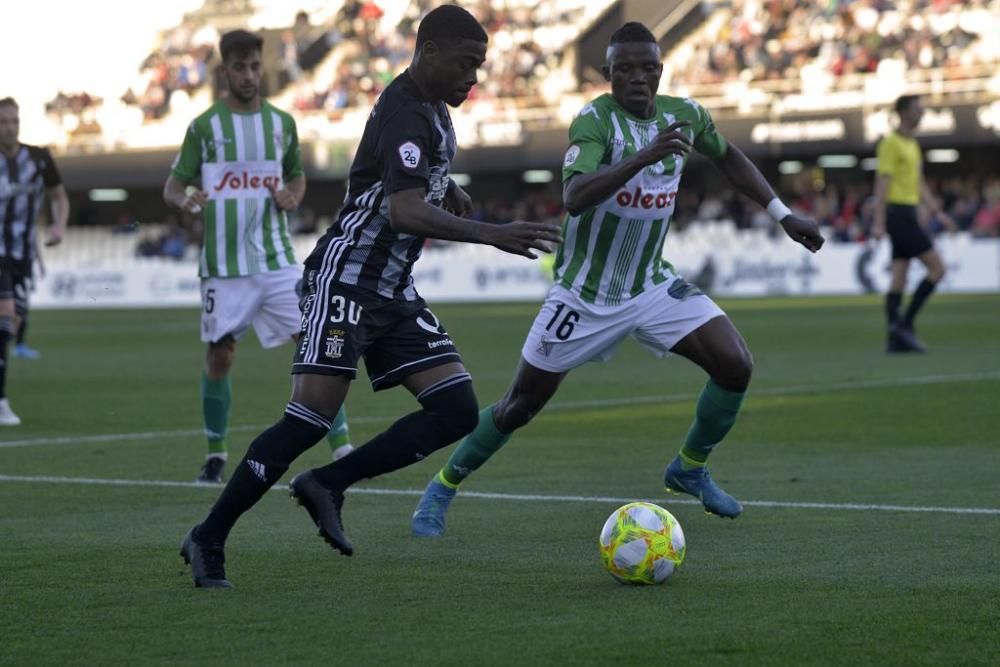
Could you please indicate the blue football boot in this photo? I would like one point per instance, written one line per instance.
(698, 483)
(428, 520)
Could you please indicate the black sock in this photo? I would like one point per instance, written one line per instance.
(892, 301)
(6, 325)
(265, 462)
(924, 290)
(449, 413)
(21, 330)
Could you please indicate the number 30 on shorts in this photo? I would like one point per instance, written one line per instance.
(342, 308)
(565, 326)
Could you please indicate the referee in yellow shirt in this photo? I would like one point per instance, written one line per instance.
(899, 189)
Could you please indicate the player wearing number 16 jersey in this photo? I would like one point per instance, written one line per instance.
(621, 173)
(240, 168)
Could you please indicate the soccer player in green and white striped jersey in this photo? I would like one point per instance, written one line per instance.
(241, 169)
(621, 173)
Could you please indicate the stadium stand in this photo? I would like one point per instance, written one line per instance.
(754, 64)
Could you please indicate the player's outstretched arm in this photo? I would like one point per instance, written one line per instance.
(586, 190)
(747, 179)
(410, 213)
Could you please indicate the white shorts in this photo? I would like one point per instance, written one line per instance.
(267, 301)
(569, 332)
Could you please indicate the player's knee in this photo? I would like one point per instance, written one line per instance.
(517, 410)
(936, 273)
(453, 408)
(220, 357)
(735, 370)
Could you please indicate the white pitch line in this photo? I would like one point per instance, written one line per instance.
(553, 407)
(522, 497)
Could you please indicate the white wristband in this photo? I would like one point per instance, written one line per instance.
(777, 210)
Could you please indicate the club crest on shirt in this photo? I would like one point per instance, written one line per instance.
(409, 155)
(571, 155)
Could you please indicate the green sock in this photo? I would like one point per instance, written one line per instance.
(216, 395)
(339, 434)
(714, 416)
(474, 450)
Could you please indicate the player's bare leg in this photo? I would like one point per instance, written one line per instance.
(339, 437)
(530, 391)
(719, 349)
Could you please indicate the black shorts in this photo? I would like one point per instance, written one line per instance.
(14, 284)
(908, 238)
(341, 324)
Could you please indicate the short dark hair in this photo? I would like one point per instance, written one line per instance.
(632, 32)
(8, 102)
(449, 24)
(905, 102)
(239, 42)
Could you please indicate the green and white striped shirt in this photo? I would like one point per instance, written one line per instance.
(235, 157)
(614, 251)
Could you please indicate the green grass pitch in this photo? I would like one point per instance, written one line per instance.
(819, 570)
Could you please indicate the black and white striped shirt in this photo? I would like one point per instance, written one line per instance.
(408, 143)
(24, 179)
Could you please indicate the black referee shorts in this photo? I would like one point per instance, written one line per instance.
(342, 324)
(908, 238)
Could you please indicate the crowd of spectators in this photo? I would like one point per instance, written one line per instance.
(740, 41)
(792, 39)
(75, 112)
(524, 48)
(845, 210)
(183, 61)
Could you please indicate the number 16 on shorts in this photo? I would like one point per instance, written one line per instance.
(563, 322)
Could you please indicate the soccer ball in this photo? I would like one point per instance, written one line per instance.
(642, 543)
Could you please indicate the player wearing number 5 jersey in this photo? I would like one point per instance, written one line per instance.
(360, 301)
(241, 169)
(621, 173)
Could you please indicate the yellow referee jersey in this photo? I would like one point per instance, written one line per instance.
(899, 158)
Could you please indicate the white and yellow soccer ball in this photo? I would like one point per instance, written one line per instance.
(642, 543)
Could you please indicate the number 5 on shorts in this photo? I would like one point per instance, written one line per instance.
(209, 300)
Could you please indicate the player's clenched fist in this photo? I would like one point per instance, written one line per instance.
(804, 231)
(283, 199)
(194, 200)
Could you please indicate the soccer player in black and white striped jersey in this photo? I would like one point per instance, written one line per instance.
(27, 176)
(360, 301)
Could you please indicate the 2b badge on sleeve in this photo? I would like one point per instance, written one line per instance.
(409, 153)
